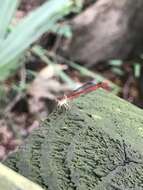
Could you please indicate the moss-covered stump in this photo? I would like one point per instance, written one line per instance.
(95, 145)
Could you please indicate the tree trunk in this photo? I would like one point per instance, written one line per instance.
(96, 144)
(109, 29)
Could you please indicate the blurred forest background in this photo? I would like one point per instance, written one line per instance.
(46, 56)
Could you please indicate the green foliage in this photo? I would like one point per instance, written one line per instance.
(13, 45)
(115, 62)
(7, 10)
(137, 70)
(64, 30)
(116, 66)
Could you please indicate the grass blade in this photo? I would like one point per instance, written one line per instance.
(29, 30)
(7, 10)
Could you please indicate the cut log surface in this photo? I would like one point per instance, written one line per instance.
(94, 145)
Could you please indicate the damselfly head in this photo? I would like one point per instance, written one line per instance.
(63, 103)
(105, 86)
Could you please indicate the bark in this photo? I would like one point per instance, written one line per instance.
(95, 145)
(108, 29)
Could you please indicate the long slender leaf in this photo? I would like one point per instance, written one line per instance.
(29, 30)
(7, 10)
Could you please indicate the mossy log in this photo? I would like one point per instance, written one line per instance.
(94, 145)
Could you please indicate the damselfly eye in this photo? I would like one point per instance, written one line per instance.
(105, 85)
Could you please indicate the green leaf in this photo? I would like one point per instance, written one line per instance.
(28, 31)
(7, 10)
(117, 71)
(64, 30)
(116, 63)
(137, 70)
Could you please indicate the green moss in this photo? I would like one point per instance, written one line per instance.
(96, 144)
